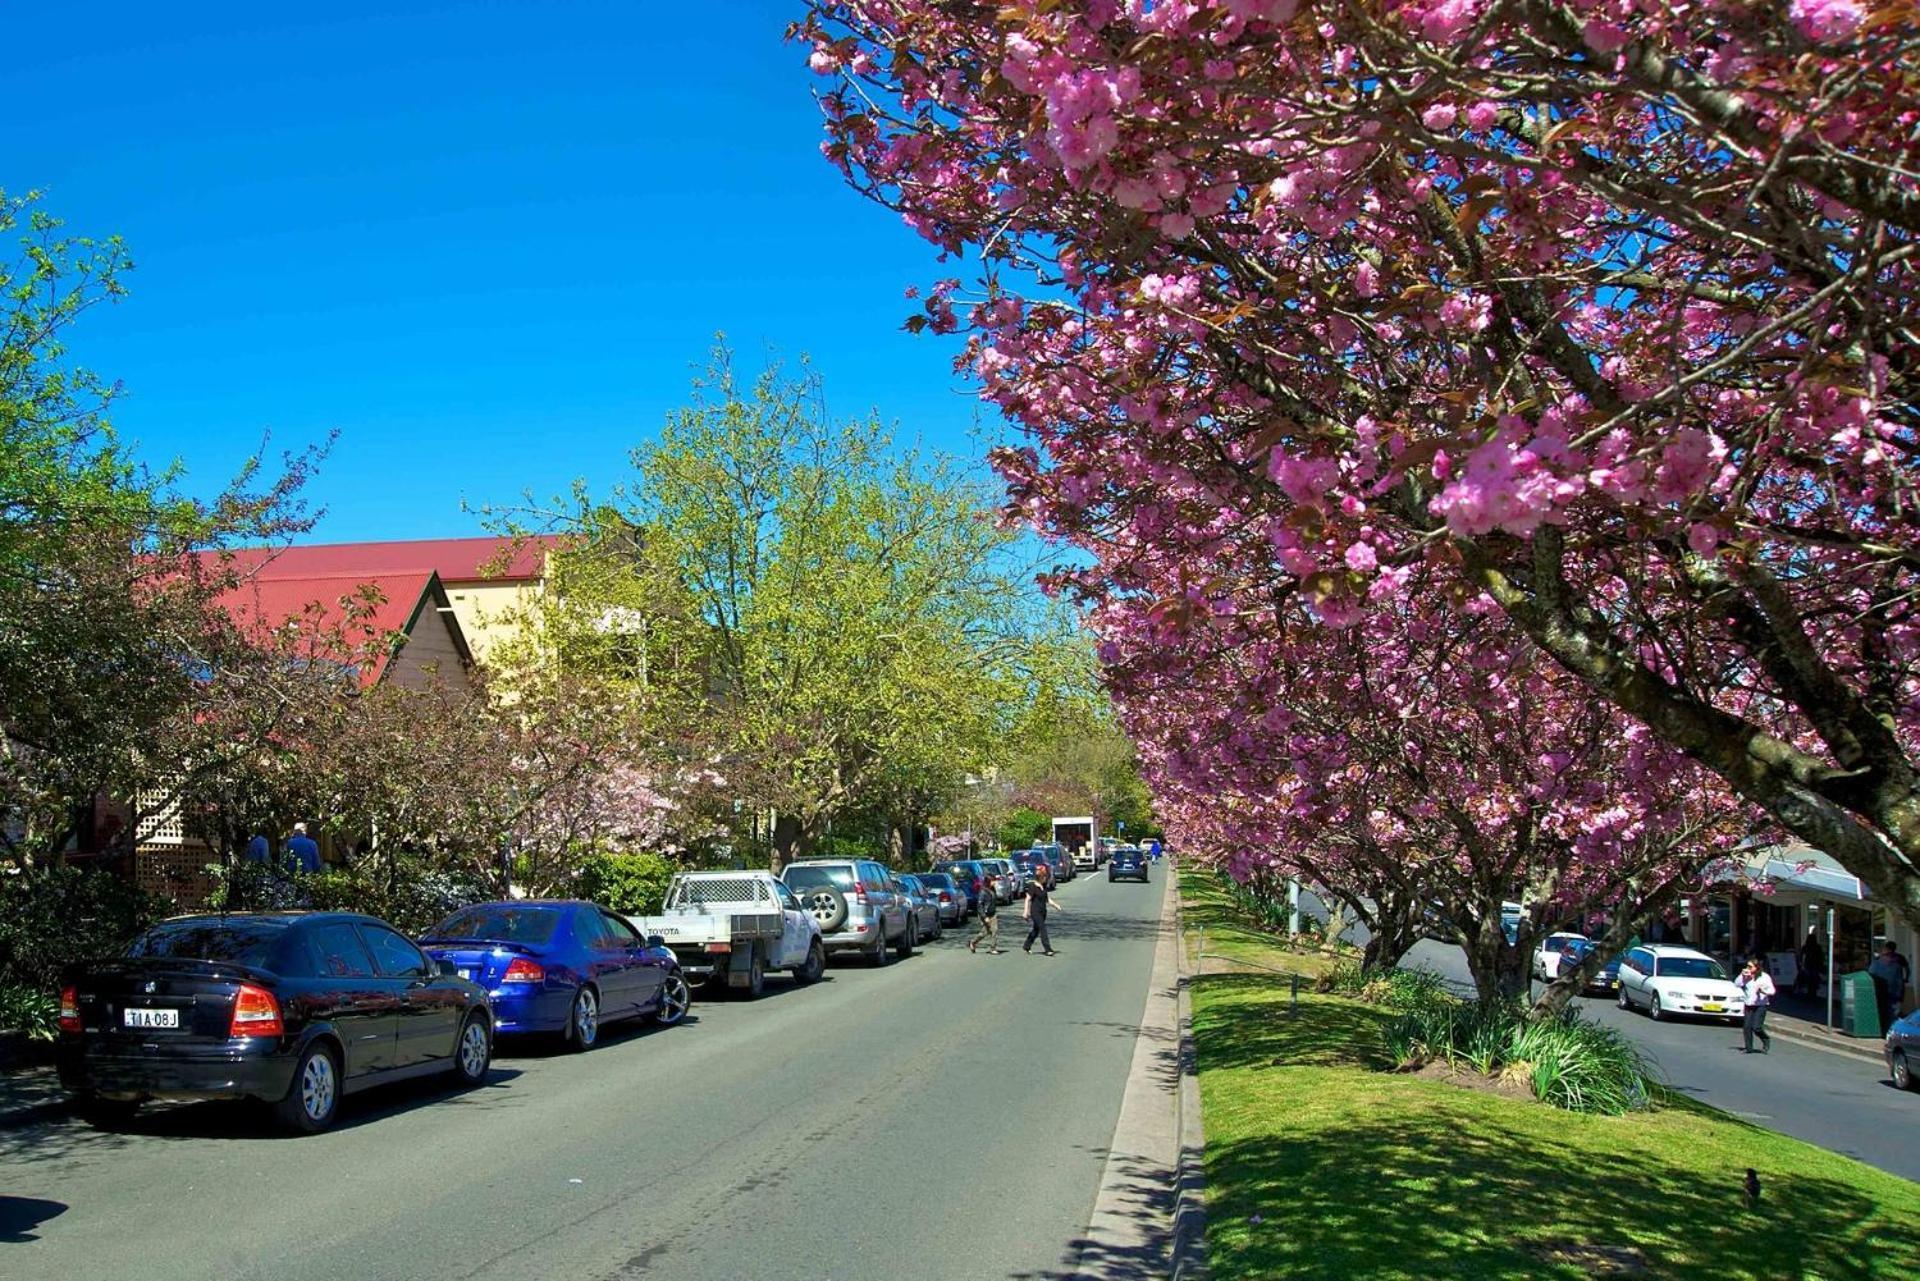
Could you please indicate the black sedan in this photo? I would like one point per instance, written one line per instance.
(1903, 1050)
(1129, 861)
(294, 1009)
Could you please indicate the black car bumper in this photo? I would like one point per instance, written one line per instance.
(233, 1072)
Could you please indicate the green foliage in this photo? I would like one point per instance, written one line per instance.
(842, 844)
(57, 915)
(34, 1011)
(635, 884)
(1568, 1062)
(1025, 828)
(410, 891)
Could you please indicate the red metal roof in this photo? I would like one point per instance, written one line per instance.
(456, 560)
(324, 603)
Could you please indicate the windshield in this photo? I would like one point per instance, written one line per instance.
(814, 878)
(1688, 967)
(499, 922)
(212, 939)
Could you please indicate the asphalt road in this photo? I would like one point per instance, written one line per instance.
(1827, 1099)
(944, 1117)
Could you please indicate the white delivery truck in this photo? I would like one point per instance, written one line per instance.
(1076, 837)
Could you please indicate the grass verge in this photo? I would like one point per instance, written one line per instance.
(1320, 1165)
(1205, 904)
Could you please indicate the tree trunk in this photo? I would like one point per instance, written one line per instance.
(787, 837)
(1499, 968)
(896, 846)
(1389, 938)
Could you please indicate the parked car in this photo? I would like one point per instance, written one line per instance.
(296, 1010)
(1903, 1050)
(952, 899)
(1006, 877)
(1603, 980)
(925, 906)
(1548, 954)
(1671, 980)
(737, 926)
(560, 966)
(1058, 859)
(970, 874)
(1129, 861)
(856, 907)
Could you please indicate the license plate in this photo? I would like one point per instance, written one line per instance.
(150, 1018)
(1713, 1009)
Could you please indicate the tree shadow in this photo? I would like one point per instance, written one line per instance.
(1323, 1033)
(1144, 1193)
(20, 1215)
(1068, 925)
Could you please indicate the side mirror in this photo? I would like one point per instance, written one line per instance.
(446, 968)
(656, 940)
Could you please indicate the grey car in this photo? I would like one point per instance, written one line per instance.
(952, 899)
(1007, 880)
(858, 909)
(926, 905)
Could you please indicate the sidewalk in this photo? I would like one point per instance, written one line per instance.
(1803, 1020)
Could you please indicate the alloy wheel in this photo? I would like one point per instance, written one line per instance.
(586, 1018)
(674, 1000)
(474, 1052)
(317, 1088)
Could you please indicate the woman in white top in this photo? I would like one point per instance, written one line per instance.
(1756, 989)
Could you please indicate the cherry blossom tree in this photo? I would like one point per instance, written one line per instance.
(1601, 310)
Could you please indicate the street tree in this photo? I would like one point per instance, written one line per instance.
(1606, 311)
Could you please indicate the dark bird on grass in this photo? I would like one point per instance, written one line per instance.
(1753, 1188)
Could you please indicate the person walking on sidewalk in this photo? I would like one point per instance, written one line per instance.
(989, 921)
(1889, 973)
(1756, 990)
(1039, 896)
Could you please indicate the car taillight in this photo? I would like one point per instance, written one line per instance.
(521, 970)
(69, 1009)
(255, 1013)
(945, 897)
(859, 891)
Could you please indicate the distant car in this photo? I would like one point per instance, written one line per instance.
(1903, 1050)
(1129, 861)
(970, 874)
(1060, 860)
(1006, 878)
(297, 1010)
(926, 908)
(1547, 956)
(857, 906)
(1670, 980)
(1603, 980)
(952, 899)
(561, 966)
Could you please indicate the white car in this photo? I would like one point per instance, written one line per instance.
(1547, 957)
(1668, 980)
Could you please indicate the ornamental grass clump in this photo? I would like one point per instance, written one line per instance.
(1567, 1061)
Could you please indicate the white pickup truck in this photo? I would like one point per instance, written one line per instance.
(737, 925)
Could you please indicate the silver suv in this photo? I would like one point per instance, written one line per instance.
(856, 905)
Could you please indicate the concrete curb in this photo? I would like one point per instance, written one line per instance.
(1145, 1211)
(1190, 1211)
(1849, 1048)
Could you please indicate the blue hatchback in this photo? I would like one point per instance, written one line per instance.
(560, 965)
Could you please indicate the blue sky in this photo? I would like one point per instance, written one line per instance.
(488, 243)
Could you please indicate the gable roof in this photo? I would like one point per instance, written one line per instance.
(269, 601)
(455, 560)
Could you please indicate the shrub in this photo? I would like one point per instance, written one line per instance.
(55, 916)
(413, 892)
(1567, 1061)
(635, 884)
(32, 1010)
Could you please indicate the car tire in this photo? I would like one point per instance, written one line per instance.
(106, 1114)
(827, 905)
(881, 955)
(583, 1020)
(313, 1100)
(1902, 1070)
(810, 970)
(473, 1051)
(1653, 1007)
(909, 940)
(938, 930)
(1626, 1002)
(756, 977)
(676, 998)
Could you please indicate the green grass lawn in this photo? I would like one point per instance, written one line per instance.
(1204, 904)
(1319, 1166)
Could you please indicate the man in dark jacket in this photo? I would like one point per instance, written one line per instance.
(989, 920)
(303, 852)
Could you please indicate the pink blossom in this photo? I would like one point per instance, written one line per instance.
(1827, 21)
(1361, 558)
(1439, 115)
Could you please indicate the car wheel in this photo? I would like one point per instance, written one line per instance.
(1902, 1070)
(826, 905)
(473, 1052)
(939, 929)
(583, 1024)
(756, 977)
(313, 1100)
(1653, 1007)
(815, 965)
(676, 998)
(911, 939)
(106, 1114)
(1625, 1002)
(881, 954)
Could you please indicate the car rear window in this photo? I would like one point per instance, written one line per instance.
(813, 878)
(1689, 967)
(501, 922)
(239, 941)
(938, 880)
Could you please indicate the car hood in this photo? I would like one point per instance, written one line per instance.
(1699, 989)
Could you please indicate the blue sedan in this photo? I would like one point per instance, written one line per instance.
(560, 965)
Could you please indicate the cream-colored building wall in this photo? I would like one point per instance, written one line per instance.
(489, 613)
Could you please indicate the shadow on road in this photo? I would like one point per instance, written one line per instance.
(20, 1215)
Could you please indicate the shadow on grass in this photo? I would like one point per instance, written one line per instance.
(1242, 1020)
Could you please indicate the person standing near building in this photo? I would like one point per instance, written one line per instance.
(1756, 991)
(1039, 896)
(303, 853)
(989, 932)
(1889, 971)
